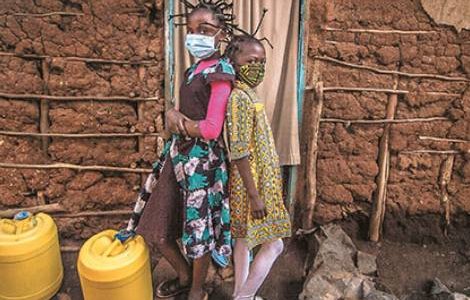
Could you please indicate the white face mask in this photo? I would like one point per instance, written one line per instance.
(201, 46)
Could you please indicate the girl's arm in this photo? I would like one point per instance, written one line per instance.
(211, 127)
(258, 209)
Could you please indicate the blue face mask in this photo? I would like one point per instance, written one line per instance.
(201, 46)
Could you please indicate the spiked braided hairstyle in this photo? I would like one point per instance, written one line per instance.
(222, 10)
(244, 37)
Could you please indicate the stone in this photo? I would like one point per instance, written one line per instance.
(366, 263)
(334, 275)
(441, 292)
(379, 295)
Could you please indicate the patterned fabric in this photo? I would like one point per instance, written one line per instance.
(222, 66)
(202, 175)
(249, 134)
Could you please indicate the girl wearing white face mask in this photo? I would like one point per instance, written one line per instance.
(186, 196)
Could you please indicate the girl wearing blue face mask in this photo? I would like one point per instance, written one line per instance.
(186, 196)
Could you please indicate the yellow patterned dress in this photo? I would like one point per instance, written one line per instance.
(249, 134)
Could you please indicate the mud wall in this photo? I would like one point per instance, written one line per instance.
(95, 49)
(395, 36)
(101, 49)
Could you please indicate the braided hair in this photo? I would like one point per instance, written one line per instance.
(238, 40)
(222, 10)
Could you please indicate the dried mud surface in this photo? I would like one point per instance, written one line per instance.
(123, 30)
(347, 165)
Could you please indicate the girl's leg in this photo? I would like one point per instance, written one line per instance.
(200, 268)
(172, 253)
(260, 268)
(241, 260)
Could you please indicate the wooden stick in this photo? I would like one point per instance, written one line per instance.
(48, 208)
(44, 107)
(77, 135)
(95, 214)
(363, 89)
(424, 151)
(140, 118)
(443, 94)
(378, 206)
(384, 121)
(84, 59)
(438, 139)
(70, 248)
(304, 232)
(74, 98)
(41, 196)
(379, 90)
(358, 89)
(360, 30)
(312, 154)
(54, 13)
(391, 72)
(74, 167)
(444, 179)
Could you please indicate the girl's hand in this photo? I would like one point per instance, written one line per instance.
(175, 122)
(258, 209)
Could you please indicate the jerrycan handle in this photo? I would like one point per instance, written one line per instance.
(123, 235)
(120, 238)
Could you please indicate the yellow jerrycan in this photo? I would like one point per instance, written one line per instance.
(30, 262)
(115, 266)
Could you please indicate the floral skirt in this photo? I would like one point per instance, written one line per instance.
(200, 169)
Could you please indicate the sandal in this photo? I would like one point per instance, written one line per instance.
(170, 288)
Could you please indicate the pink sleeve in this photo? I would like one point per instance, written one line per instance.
(211, 127)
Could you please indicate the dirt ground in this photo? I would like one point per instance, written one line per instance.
(407, 261)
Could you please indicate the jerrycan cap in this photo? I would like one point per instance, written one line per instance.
(22, 215)
(123, 235)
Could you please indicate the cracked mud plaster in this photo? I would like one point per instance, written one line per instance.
(108, 29)
(347, 160)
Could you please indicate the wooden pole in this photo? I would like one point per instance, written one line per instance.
(378, 206)
(74, 167)
(140, 119)
(83, 59)
(312, 154)
(380, 31)
(54, 13)
(122, 212)
(44, 107)
(385, 121)
(390, 72)
(70, 249)
(444, 179)
(362, 89)
(73, 98)
(446, 140)
(48, 208)
(427, 151)
(78, 135)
